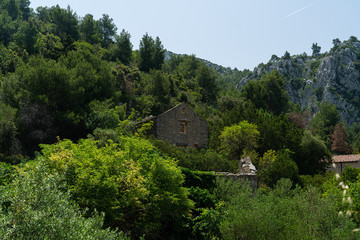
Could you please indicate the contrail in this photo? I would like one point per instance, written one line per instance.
(302, 8)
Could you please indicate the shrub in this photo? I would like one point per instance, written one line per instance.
(36, 206)
(139, 191)
(283, 213)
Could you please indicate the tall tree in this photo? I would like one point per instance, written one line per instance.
(314, 156)
(7, 28)
(286, 55)
(336, 42)
(146, 49)
(26, 36)
(268, 93)
(107, 30)
(207, 81)
(339, 140)
(316, 50)
(324, 122)
(13, 9)
(122, 49)
(152, 53)
(66, 24)
(7, 128)
(89, 29)
(159, 54)
(239, 137)
(24, 6)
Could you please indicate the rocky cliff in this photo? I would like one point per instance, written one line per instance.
(310, 80)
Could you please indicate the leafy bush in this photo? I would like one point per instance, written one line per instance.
(197, 159)
(283, 213)
(200, 179)
(276, 165)
(350, 174)
(36, 206)
(6, 173)
(139, 191)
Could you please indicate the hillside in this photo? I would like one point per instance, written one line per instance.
(311, 80)
(75, 165)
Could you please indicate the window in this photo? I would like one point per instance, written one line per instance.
(183, 111)
(183, 127)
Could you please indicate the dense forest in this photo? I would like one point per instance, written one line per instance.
(74, 165)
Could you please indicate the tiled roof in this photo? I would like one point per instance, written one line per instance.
(346, 158)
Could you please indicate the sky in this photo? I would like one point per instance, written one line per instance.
(231, 33)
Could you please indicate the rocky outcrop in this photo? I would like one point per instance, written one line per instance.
(333, 77)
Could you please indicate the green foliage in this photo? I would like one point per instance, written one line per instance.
(49, 45)
(201, 179)
(26, 36)
(350, 174)
(274, 166)
(197, 159)
(355, 195)
(323, 124)
(354, 137)
(107, 30)
(104, 115)
(158, 86)
(8, 129)
(238, 138)
(313, 156)
(36, 206)
(316, 50)
(286, 55)
(7, 173)
(122, 49)
(139, 191)
(7, 28)
(207, 224)
(206, 79)
(66, 24)
(9, 60)
(268, 93)
(276, 132)
(316, 180)
(89, 29)
(152, 53)
(283, 213)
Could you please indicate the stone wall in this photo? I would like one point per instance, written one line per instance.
(251, 177)
(182, 127)
(340, 166)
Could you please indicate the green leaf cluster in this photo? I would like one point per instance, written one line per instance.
(139, 190)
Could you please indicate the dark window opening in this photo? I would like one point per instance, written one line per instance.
(183, 127)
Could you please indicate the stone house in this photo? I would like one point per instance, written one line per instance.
(341, 161)
(180, 126)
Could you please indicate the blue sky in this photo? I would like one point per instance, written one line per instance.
(234, 33)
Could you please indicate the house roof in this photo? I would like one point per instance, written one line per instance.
(346, 158)
(145, 120)
(169, 110)
(151, 118)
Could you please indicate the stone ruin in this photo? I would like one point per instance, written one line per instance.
(246, 166)
(247, 172)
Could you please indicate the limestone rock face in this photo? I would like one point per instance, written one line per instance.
(333, 77)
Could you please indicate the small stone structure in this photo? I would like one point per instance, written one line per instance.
(341, 161)
(246, 166)
(251, 177)
(247, 172)
(180, 126)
